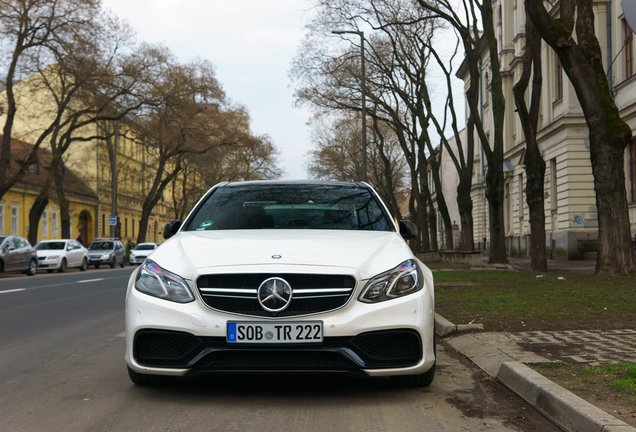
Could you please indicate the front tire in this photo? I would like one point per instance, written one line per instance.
(123, 263)
(113, 263)
(84, 265)
(96, 266)
(149, 380)
(33, 268)
(63, 266)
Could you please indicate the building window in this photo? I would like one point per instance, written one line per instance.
(103, 225)
(54, 224)
(629, 50)
(632, 169)
(553, 185)
(14, 220)
(521, 197)
(558, 77)
(126, 227)
(45, 223)
(1, 218)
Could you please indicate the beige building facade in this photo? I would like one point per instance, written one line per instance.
(570, 206)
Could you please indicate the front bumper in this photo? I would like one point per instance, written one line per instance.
(389, 338)
(53, 264)
(136, 259)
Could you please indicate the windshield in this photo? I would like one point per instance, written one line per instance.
(144, 247)
(50, 246)
(302, 206)
(106, 245)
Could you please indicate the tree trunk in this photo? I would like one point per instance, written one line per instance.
(609, 134)
(62, 201)
(535, 165)
(465, 207)
(37, 209)
(494, 176)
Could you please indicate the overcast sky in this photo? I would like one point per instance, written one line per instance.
(251, 43)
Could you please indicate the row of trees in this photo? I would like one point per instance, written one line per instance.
(78, 75)
(410, 62)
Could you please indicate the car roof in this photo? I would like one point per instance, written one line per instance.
(295, 183)
(53, 240)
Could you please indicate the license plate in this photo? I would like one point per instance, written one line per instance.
(272, 332)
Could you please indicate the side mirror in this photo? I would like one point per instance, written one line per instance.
(171, 229)
(408, 229)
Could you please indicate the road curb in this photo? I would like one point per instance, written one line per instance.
(562, 407)
(444, 327)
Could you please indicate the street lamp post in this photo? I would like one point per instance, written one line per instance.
(363, 91)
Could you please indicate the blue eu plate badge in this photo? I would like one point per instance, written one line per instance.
(231, 332)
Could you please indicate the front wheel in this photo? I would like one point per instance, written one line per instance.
(33, 267)
(123, 262)
(149, 380)
(63, 266)
(113, 263)
(84, 265)
(96, 266)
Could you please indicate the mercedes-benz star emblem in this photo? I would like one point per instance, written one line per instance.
(274, 294)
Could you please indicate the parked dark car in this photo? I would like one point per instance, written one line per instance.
(17, 254)
(107, 251)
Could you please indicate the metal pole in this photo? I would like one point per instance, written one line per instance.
(364, 108)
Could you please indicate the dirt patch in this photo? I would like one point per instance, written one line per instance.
(594, 387)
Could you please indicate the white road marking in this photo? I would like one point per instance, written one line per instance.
(122, 334)
(90, 280)
(13, 290)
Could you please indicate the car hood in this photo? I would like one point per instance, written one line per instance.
(365, 253)
(45, 253)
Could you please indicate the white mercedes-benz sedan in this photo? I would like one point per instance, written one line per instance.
(283, 276)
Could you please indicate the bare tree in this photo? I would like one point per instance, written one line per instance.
(465, 19)
(394, 81)
(88, 80)
(534, 163)
(581, 59)
(27, 26)
(336, 138)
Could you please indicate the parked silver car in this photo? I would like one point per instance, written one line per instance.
(61, 254)
(107, 251)
(17, 254)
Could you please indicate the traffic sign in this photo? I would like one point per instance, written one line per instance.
(112, 220)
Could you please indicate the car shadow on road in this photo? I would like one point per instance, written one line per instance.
(284, 385)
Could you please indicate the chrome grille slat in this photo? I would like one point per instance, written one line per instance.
(237, 293)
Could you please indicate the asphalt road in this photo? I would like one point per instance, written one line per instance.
(62, 369)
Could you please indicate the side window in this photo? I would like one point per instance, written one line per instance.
(21, 243)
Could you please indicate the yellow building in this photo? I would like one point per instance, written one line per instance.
(16, 204)
(90, 161)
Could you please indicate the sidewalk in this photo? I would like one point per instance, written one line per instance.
(585, 267)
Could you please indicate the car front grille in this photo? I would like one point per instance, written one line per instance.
(312, 293)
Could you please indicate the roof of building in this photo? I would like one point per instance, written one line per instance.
(35, 177)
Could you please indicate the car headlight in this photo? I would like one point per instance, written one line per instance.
(106, 256)
(157, 282)
(402, 280)
(52, 257)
